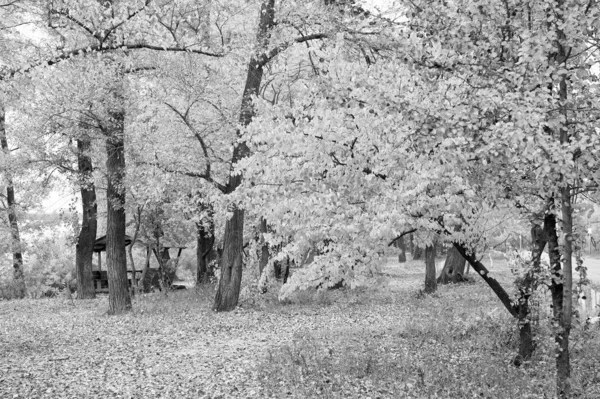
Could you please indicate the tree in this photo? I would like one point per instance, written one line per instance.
(89, 221)
(119, 299)
(454, 268)
(430, 281)
(12, 208)
(231, 261)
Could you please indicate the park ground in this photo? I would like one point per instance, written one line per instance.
(384, 341)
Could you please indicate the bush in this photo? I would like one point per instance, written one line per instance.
(11, 289)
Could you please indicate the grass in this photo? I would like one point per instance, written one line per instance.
(385, 341)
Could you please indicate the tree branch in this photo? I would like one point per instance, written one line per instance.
(400, 236)
(7, 74)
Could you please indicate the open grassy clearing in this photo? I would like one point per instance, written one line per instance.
(385, 341)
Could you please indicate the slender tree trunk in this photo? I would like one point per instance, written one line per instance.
(264, 248)
(454, 268)
(19, 278)
(430, 282)
(164, 259)
(204, 245)
(143, 280)
(138, 223)
(402, 246)
(559, 59)
(417, 252)
(84, 251)
(561, 335)
(119, 300)
(228, 291)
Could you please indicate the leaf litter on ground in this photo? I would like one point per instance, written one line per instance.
(383, 341)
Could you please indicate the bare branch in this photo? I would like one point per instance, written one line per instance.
(400, 236)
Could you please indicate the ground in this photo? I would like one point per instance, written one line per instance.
(387, 341)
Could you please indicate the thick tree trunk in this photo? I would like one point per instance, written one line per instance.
(454, 268)
(264, 247)
(18, 276)
(119, 300)
(84, 250)
(430, 282)
(526, 288)
(230, 280)
(231, 263)
(205, 241)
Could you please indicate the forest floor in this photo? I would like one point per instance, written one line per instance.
(385, 341)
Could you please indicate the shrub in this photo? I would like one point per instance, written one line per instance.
(11, 289)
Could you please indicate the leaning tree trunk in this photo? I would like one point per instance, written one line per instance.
(19, 278)
(119, 300)
(230, 280)
(454, 268)
(84, 250)
(430, 282)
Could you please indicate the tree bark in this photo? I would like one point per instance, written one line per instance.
(205, 241)
(485, 275)
(454, 268)
(430, 282)
(18, 276)
(417, 252)
(138, 223)
(264, 248)
(119, 300)
(231, 262)
(84, 250)
(526, 288)
(402, 246)
(561, 335)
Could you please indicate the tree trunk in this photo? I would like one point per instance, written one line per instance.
(264, 248)
(119, 300)
(19, 278)
(228, 291)
(163, 257)
(402, 246)
(526, 287)
(454, 268)
(230, 280)
(485, 275)
(430, 282)
(138, 223)
(417, 252)
(286, 274)
(84, 250)
(561, 335)
(205, 241)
